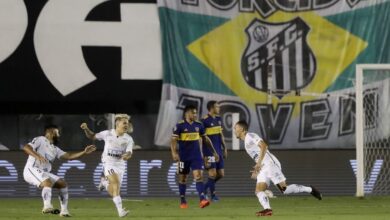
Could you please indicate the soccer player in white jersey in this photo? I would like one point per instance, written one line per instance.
(267, 169)
(42, 152)
(118, 148)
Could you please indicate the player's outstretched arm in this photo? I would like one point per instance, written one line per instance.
(90, 134)
(71, 156)
(29, 150)
(211, 146)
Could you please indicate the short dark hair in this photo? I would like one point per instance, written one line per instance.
(211, 104)
(243, 124)
(189, 108)
(50, 126)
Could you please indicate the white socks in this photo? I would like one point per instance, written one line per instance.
(118, 203)
(263, 199)
(64, 196)
(46, 196)
(294, 188)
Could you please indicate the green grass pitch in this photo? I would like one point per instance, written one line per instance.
(299, 207)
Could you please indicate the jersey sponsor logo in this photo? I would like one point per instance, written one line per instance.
(193, 136)
(114, 153)
(213, 130)
(281, 50)
(196, 129)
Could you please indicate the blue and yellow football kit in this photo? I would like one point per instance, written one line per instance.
(190, 155)
(213, 129)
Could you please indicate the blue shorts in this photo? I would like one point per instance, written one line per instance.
(215, 165)
(184, 167)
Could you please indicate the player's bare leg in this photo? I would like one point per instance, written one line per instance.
(263, 199)
(63, 197)
(114, 191)
(182, 190)
(198, 177)
(46, 187)
(294, 188)
(220, 174)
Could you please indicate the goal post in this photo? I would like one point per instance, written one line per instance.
(372, 128)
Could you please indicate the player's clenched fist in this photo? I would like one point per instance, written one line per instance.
(84, 126)
(216, 156)
(175, 157)
(207, 163)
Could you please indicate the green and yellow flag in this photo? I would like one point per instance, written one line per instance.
(305, 52)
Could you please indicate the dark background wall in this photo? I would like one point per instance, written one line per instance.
(24, 87)
(28, 100)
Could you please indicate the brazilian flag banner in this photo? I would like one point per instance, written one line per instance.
(305, 51)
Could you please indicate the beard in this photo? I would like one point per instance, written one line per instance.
(55, 140)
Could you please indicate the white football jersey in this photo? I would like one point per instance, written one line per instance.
(114, 146)
(252, 141)
(42, 146)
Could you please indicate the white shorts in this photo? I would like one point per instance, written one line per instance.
(272, 173)
(36, 176)
(110, 169)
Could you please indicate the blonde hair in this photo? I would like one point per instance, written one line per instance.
(122, 116)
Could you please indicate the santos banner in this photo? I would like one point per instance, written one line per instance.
(224, 51)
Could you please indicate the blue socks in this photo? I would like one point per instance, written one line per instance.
(182, 191)
(200, 189)
(210, 185)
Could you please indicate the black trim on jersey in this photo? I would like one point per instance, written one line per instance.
(270, 155)
(34, 175)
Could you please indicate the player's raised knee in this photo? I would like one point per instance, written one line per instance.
(46, 183)
(60, 184)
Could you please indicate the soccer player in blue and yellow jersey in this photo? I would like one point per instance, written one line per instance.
(190, 133)
(213, 127)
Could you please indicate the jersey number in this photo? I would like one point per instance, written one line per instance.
(211, 159)
(111, 171)
(180, 166)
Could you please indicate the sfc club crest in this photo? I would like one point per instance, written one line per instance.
(282, 49)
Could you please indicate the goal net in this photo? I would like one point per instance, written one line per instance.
(372, 129)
